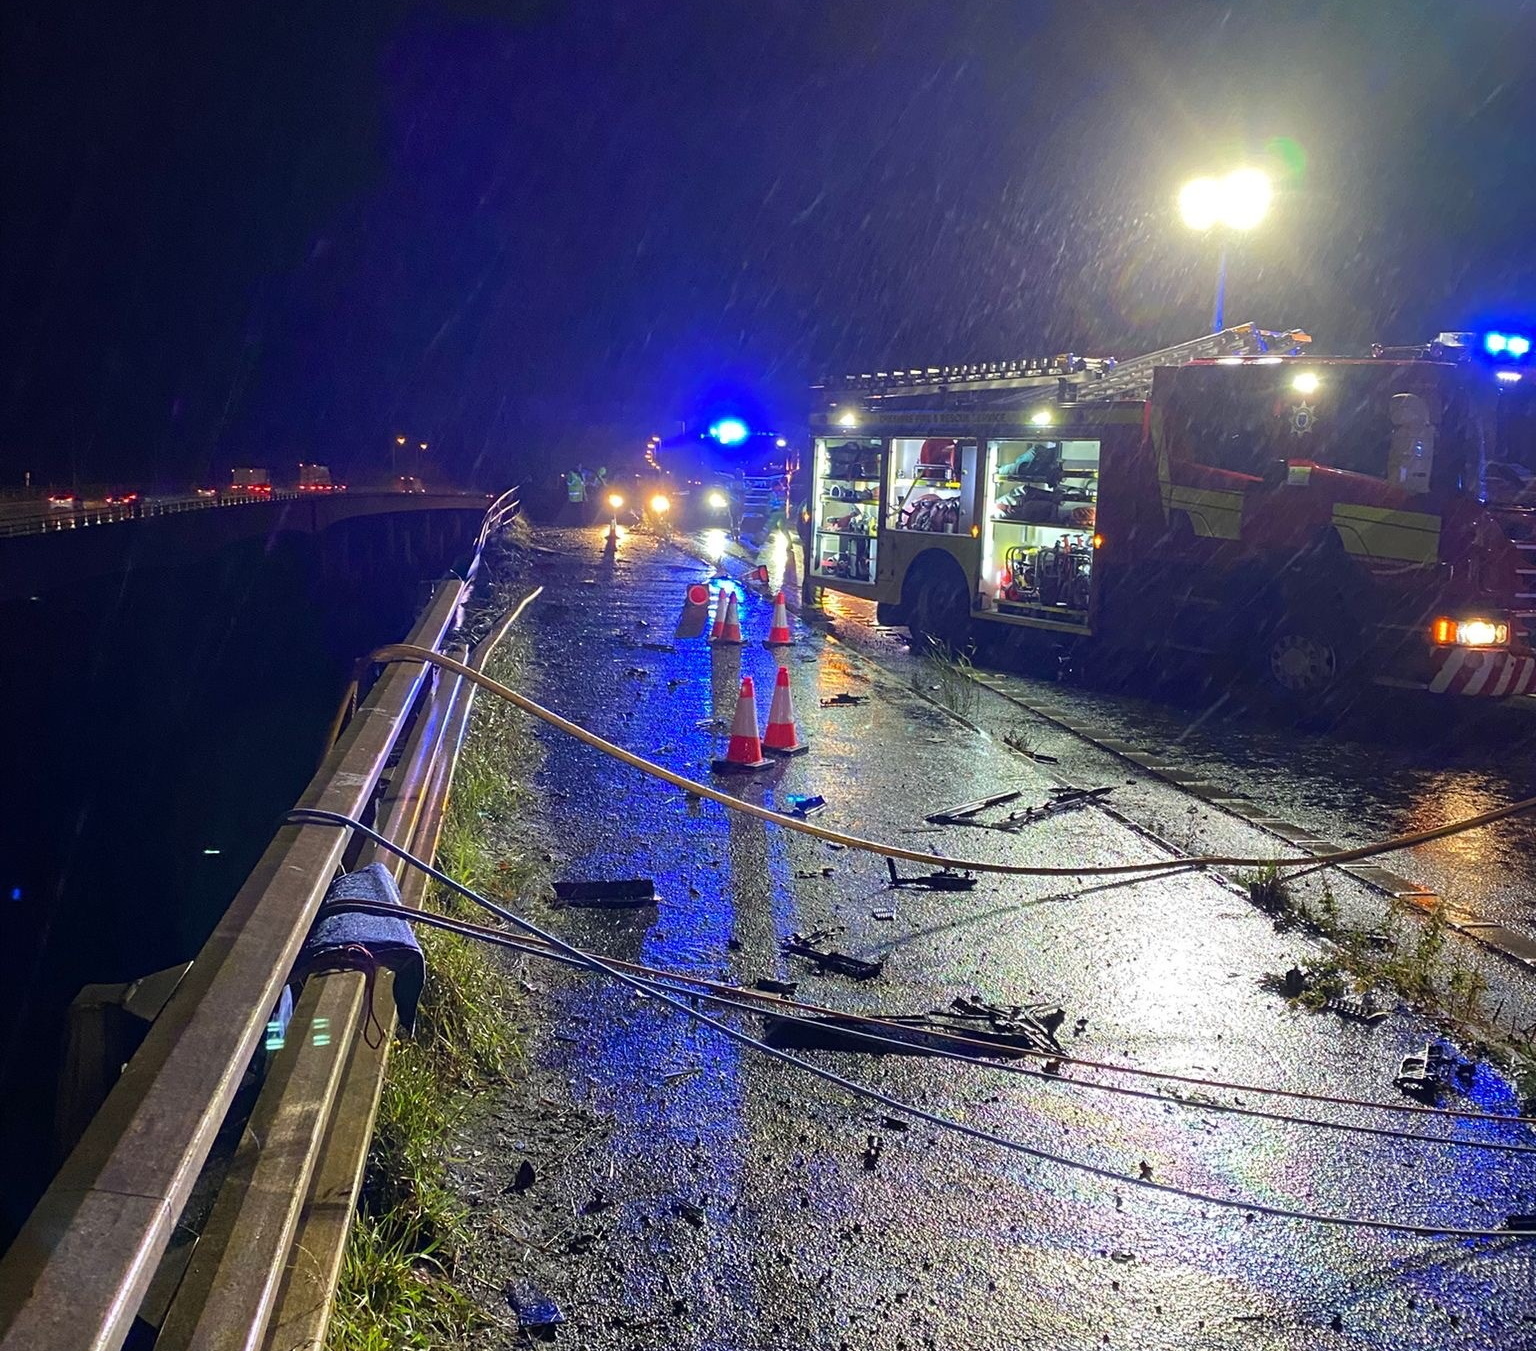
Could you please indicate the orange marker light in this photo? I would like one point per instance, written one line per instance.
(1443, 631)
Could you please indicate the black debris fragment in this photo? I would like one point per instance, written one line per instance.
(844, 700)
(829, 959)
(616, 894)
(770, 986)
(872, 1148)
(944, 880)
(525, 1177)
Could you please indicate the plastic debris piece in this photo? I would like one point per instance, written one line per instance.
(537, 1314)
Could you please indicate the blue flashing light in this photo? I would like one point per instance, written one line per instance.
(730, 431)
(1512, 346)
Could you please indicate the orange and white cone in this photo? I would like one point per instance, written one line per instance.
(779, 635)
(791, 584)
(695, 615)
(727, 624)
(744, 754)
(722, 604)
(781, 737)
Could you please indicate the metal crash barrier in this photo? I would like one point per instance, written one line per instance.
(112, 1241)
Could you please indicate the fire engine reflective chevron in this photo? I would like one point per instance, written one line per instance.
(1381, 532)
(1461, 670)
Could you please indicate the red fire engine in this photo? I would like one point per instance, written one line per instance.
(1317, 519)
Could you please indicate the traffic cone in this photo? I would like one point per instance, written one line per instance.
(779, 635)
(791, 584)
(758, 574)
(728, 625)
(722, 604)
(611, 541)
(781, 737)
(745, 752)
(695, 615)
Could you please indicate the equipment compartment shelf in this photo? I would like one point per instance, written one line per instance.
(1044, 525)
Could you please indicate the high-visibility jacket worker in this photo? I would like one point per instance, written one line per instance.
(575, 486)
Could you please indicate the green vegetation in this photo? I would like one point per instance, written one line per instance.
(398, 1289)
(948, 678)
(1413, 957)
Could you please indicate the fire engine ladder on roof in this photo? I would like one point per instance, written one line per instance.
(1021, 383)
(1132, 378)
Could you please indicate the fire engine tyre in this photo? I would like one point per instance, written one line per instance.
(1308, 665)
(937, 601)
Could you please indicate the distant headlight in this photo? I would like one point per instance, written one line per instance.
(1470, 632)
(660, 505)
(718, 500)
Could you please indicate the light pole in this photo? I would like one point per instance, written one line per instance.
(1232, 204)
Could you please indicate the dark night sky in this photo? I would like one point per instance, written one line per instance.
(265, 232)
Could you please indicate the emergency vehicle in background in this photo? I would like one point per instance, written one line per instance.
(1318, 520)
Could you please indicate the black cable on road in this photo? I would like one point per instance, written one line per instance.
(598, 966)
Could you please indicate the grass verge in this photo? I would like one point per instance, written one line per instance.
(399, 1288)
(1412, 957)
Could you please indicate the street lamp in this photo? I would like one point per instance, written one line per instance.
(1236, 202)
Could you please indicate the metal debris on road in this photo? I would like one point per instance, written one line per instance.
(1010, 1029)
(882, 914)
(943, 880)
(803, 805)
(619, 894)
(690, 1212)
(1436, 1068)
(1062, 799)
(951, 815)
(829, 959)
(1357, 1010)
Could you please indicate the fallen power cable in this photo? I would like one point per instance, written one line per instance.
(410, 652)
(984, 1055)
(685, 1004)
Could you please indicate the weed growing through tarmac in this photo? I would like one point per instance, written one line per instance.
(947, 678)
(399, 1289)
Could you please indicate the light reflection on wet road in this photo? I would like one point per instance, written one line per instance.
(947, 1243)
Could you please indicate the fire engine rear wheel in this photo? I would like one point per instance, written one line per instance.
(937, 601)
(1302, 663)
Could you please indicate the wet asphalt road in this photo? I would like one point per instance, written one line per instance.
(734, 1204)
(1391, 763)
